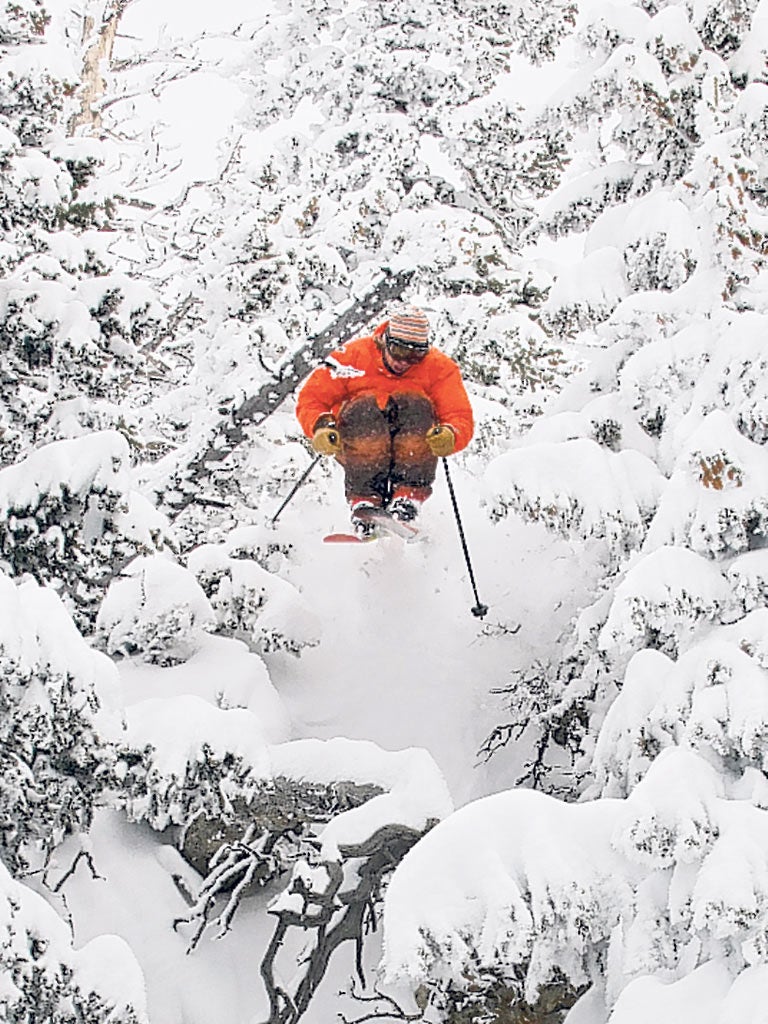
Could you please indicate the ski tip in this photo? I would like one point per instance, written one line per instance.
(346, 538)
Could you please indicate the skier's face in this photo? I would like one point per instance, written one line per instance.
(399, 356)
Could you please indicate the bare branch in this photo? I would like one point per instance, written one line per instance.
(387, 1008)
(82, 855)
(335, 915)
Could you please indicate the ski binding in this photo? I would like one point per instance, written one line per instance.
(385, 526)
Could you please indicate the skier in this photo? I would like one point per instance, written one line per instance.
(387, 406)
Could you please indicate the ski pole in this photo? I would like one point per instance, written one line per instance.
(296, 486)
(480, 610)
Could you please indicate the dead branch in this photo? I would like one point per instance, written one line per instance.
(335, 914)
(172, 325)
(82, 855)
(386, 1008)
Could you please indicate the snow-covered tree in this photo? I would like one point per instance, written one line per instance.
(71, 325)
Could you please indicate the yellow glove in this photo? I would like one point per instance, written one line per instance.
(326, 441)
(441, 440)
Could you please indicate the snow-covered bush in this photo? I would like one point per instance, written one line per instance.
(531, 890)
(154, 608)
(512, 906)
(575, 204)
(657, 381)
(585, 295)
(732, 377)
(47, 981)
(712, 700)
(184, 758)
(657, 238)
(723, 179)
(716, 501)
(660, 602)
(580, 489)
(69, 517)
(249, 602)
(747, 575)
(506, 356)
(58, 727)
(654, 245)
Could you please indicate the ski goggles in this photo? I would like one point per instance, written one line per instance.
(404, 351)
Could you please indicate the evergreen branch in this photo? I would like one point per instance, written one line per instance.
(510, 236)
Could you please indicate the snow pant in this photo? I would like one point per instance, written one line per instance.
(384, 452)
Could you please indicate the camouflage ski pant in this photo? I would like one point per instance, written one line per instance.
(384, 451)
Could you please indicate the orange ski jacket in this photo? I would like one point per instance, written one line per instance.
(357, 368)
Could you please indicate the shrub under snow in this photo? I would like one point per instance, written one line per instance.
(519, 889)
(69, 517)
(155, 608)
(59, 721)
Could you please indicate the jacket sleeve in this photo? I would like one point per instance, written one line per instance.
(320, 394)
(451, 402)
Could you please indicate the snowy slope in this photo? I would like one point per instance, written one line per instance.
(401, 661)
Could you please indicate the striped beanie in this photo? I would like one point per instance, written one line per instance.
(410, 326)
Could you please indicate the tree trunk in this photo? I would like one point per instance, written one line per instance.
(98, 41)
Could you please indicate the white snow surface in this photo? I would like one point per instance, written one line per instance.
(396, 693)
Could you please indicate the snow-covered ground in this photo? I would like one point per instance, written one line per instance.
(400, 661)
(403, 661)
